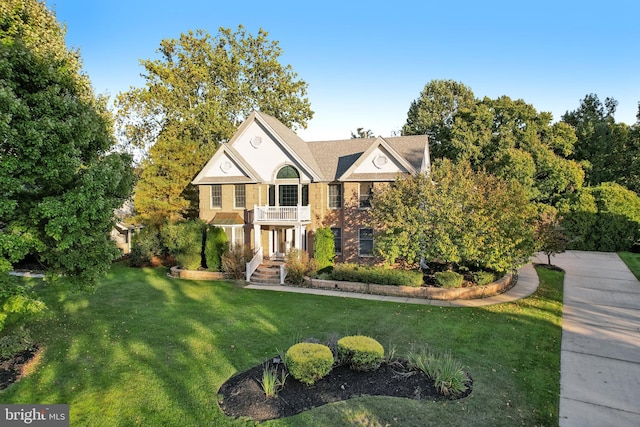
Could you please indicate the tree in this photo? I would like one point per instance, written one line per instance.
(216, 244)
(433, 112)
(550, 234)
(324, 250)
(59, 182)
(458, 216)
(608, 150)
(602, 218)
(510, 139)
(361, 133)
(196, 94)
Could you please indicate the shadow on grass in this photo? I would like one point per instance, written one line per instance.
(146, 349)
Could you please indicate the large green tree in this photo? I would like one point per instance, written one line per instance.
(455, 215)
(507, 138)
(59, 183)
(196, 94)
(433, 112)
(608, 150)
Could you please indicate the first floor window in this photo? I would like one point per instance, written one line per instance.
(239, 196)
(235, 234)
(365, 242)
(337, 239)
(216, 196)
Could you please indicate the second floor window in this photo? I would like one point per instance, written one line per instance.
(239, 196)
(216, 196)
(365, 195)
(335, 196)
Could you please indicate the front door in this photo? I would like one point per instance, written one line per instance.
(283, 241)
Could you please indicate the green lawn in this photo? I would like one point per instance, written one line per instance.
(148, 350)
(633, 262)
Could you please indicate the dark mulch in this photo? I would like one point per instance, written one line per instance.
(242, 395)
(549, 267)
(13, 368)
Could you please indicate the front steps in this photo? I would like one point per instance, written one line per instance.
(267, 273)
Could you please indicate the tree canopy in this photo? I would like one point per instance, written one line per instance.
(505, 137)
(609, 151)
(59, 183)
(457, 216)
(196, 94)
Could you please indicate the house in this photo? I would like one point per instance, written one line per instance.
(269, 189)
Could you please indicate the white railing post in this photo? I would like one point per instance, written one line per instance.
(253, 264)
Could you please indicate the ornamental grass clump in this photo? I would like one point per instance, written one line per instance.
(361, 352)
(309, 362)
(447, 374)
(271, 382)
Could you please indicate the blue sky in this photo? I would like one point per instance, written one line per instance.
(365, 62)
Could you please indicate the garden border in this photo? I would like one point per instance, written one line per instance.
(425, 292)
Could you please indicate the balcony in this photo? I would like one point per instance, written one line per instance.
(281, 214)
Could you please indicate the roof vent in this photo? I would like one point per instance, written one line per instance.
(380, 161)
(256, 141)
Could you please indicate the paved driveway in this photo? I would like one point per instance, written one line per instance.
(600, 357)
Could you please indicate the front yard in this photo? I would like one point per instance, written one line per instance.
(148, 350)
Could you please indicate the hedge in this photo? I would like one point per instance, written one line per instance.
(378, 275)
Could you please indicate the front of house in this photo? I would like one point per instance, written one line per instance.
(269, 189)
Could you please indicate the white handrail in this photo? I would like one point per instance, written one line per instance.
(253, 264)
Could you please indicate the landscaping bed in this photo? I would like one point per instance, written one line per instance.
(427, 292)
(242, 395)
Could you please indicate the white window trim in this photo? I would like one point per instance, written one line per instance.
(211, 206)
(339, 185)
(235, 199)
(359, 186)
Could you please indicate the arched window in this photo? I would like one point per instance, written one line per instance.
(288, 172)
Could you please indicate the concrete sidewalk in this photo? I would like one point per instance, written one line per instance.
(600, 356)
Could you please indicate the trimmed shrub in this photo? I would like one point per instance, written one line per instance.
(363, 353)
(215, 245)
(145, 245)
(309, 362)
(483, 277)
(377, 275)
(234, 261)
(184, 241)
(449, 279)
(324, 250)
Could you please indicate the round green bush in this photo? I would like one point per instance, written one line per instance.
(483, 277)
(309, 362)
(449, 279)
(363, 353)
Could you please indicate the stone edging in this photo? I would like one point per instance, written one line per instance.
(428, 292)
(179, 273)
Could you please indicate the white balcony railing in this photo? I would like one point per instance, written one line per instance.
(281, 213)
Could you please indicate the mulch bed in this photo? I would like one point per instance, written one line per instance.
(242, 394)
(13, 368)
